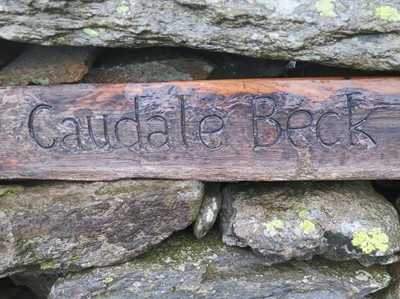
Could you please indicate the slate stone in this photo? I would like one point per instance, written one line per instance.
(354, 33)
(148, 65)
(184, 267)
(59, 227)
(339, 220)
(41, 65)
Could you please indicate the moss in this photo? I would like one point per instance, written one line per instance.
(10, 191)
(122, 9)
(370, 241)
(304, 213)
(90, 32)
(388, 13)
(307, 226)
(326, 8)
(274, 224)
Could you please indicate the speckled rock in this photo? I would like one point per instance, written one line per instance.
(69, 226)
(339, 220)
(393, 290)
(209, 210)
(148, 65)
(354, 33)
(41, 65)
(184, 267)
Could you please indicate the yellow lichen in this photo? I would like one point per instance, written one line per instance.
(274, 224)
(386, 12)
(304, 213)
(122, 9)
(307, 226)
(326, 8)
(108, 279)
(370, 241)
(90, 32)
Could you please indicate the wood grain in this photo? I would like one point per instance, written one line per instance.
(227, 130)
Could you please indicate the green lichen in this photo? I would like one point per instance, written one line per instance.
(122, 9)
(102, 30)
(304, 213)
(370, 241)
(9, 191)
(388, 13)
(274, 224)
(90, 32)
(307, 226)
(326, 8)
(61, 39)
(108, 280)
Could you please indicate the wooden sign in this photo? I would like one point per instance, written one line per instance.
(279, 129)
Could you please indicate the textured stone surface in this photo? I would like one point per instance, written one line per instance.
(148, 65)
(339, 220)
(63, 226)
(356, 33)
(184, 267)
(209, 210)
(48, 65)
(393, 290)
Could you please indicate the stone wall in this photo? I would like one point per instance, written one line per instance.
(189, 239)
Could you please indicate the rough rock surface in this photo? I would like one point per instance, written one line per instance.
(184, 267)
(147, 66)
(355, 33)
(70, 226)
(339, 220)
(209, 210)
(41, 65)
(393, 290)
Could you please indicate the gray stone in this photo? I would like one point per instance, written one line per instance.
(48, 65)
(148, 66)
(209, 210)
(185, 267)
(339, 220)
(69, 226)
(393, 290)
(353, 33)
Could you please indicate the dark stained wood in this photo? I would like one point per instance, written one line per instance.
(231, 130)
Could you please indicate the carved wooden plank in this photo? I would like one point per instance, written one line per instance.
(280, 129)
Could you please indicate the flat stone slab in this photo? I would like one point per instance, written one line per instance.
(184, 267)
(353, 33)
(61, 227)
